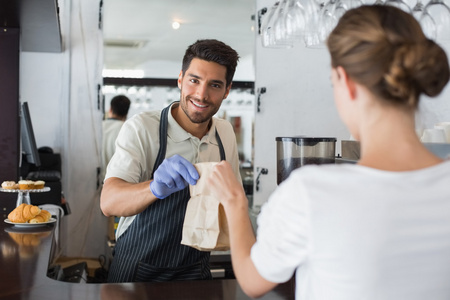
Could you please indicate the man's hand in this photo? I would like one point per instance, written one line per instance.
(173, 175)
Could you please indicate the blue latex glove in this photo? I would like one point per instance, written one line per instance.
(173, 175)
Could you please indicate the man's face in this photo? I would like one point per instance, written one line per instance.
(203, 88)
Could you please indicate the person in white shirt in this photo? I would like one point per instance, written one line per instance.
(117, 115)
(378, 229)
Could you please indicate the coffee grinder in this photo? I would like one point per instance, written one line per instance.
(294, 152)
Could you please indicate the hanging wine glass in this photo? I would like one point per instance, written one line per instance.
(295, 20)
(343, 5)
(410, 3)
(328, 19)
(279, 25)
(417, 10)
(266, 30)
(320, 3)
(326, 23)
(312, 11)
(435, 20)
(399, 4)
(268, 38)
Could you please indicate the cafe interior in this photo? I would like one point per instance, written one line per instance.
(64, 60)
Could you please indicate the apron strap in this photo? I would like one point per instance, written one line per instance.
(163, 124)
(222, 151)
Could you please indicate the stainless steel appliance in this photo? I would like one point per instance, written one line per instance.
(294, 152)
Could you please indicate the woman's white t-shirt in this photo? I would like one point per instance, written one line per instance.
(352, 232)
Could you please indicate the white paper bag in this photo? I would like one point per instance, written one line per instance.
(205, 225)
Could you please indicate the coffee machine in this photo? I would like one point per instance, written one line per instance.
(294, 152)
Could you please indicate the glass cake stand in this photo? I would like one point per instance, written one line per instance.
(23, 196)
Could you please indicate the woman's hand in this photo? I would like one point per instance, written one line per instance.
(225, 186)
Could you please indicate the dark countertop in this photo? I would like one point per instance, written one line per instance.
(26, 255)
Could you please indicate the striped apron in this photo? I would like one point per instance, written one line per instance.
(150, 249)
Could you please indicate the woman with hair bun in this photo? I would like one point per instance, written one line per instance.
(378, 229)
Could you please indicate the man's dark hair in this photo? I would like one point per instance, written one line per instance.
(215, 51)
(120, 105)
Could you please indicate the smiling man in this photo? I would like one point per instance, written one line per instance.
(147, 179)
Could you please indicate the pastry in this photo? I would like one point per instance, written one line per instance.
(39, 184)
(10, 185)
(23, 213)
(42, 217)
(26, 184)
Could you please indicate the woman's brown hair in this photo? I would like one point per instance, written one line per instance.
(385, 49)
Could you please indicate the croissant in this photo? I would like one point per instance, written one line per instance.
(42, 217)
(23, 213)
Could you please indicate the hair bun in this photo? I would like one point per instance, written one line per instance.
(432, 70)
(416, 68)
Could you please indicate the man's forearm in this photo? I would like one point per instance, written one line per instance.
(124, 199)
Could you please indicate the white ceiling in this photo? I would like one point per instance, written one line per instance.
(142, 29)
